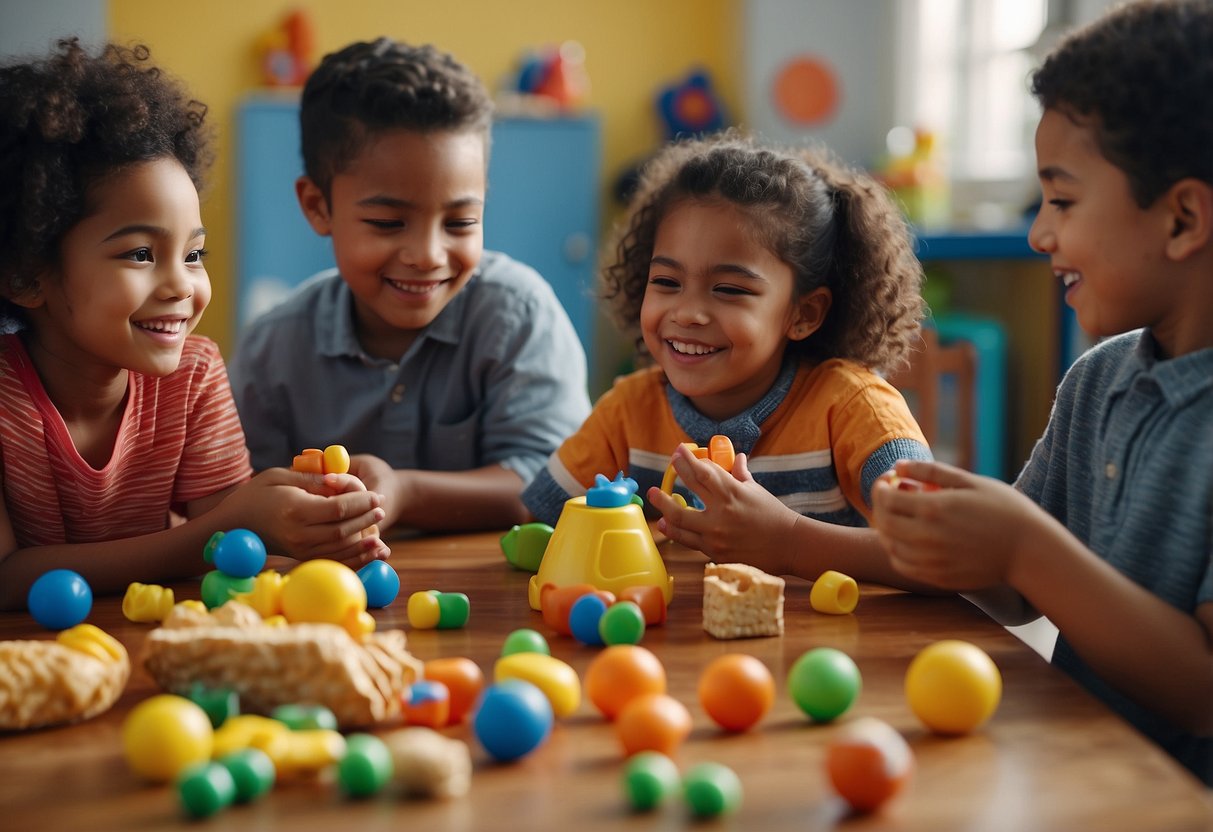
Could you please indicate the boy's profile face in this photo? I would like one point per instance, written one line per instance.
(406, 222)
(1107, 251)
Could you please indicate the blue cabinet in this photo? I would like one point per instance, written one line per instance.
(541, 207)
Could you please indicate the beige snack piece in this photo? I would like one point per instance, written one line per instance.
(321, 664)
(740, 601)
(427, 764)
(77, 676)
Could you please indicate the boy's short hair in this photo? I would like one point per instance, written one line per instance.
(1143, 76)
(369, 87)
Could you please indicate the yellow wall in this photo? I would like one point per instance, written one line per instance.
(633, 47)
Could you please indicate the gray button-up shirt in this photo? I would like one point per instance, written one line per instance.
(498, 377)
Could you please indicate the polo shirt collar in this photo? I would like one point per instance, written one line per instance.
(1180, 379)
(744, 429)
(336, 336)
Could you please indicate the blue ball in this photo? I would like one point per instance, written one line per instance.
(239, 554)
(584, 616)
(513, 718)
(60, 599)
(381, 582)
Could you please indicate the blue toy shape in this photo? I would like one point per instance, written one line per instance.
(690, 107)
(381, 582)
(610, 493)
(60, 599)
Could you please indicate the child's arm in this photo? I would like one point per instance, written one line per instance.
(482, 498)
(978, 533)
(288, 509)
(744, 522)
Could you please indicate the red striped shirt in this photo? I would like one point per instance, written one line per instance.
(180, 440)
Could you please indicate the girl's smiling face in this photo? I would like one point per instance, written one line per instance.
(719, 307)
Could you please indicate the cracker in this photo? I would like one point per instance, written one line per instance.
(741, 601)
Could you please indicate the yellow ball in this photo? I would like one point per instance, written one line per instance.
(323, 591)
(165, 734)
(953, 686)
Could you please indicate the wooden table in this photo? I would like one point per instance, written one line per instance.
(1051, 757)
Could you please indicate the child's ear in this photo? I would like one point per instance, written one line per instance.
(30, 297)
(315, 206)
(811, 310)
(1189, 204)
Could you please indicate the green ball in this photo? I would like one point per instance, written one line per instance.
(205, 789)
(649, 778)
(525, 641)
(622, 623)
(712, 789)
(218, 588)
(253, 772)
(453, 610)
(824, 683)
(305, 717)
(367, 765)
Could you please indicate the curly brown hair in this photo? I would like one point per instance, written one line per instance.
(67, 121)
(367, 88)
(834, 226)
(1142, 76)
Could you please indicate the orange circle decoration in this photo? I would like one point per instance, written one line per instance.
(806, 91)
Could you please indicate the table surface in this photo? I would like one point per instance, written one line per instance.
(1050, 758)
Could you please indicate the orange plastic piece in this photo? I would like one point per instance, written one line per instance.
(556, 601)
(311, 461)
(719, 450)
(650, 600)
(619, 674)
(653, 722)
(463, 679)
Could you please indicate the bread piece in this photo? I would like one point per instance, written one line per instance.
(740, 601)
(321, 664)
(77, 676)
(427, 764)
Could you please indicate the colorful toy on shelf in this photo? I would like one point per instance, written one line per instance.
(834, 593)
(59, 599)
(381, 582)
(430, 609)
(146, 603)
(512, 719)
(690, 107)
(824, 683)
(736, 690)
(953, 686)
(523, 546)
(868, 762)
(286, 53)
(915, 173)
(556, 75)
(609, 548)
(719, 450)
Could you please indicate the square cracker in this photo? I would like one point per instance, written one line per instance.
(741, 601)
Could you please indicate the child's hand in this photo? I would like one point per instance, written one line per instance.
(964, 535)
(380, 477)
(311, 515)
(741, 521)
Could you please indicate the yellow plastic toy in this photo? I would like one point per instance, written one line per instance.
(602, 539)
(834, 593)
(719, 450)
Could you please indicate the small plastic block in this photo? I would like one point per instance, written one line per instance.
(523, 546)
(649, 779)
(651, 601)
(206, 789)
(366, 767)
(712, 789)
(147, 603)
(444, 610)
(584, 617)
(610, 493)
(525, 640)
(834, 593)
(428, 703)
(464, 682)
(240, 553)
(253, 772)
(305, 717)
(453, 610)
(336, 460)
(311, 461)
(557, 679)
(556, 603)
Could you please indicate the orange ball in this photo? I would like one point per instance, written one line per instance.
(736, 690)
(868, 762)
(463, 678)
(619, 674)
(653, 722)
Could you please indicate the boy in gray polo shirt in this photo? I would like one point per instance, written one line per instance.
(448, 372)
(1121, 556)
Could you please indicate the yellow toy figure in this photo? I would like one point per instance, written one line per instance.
(286, 53)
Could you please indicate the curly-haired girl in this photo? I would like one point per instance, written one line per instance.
(768, 287)
(112, 416)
